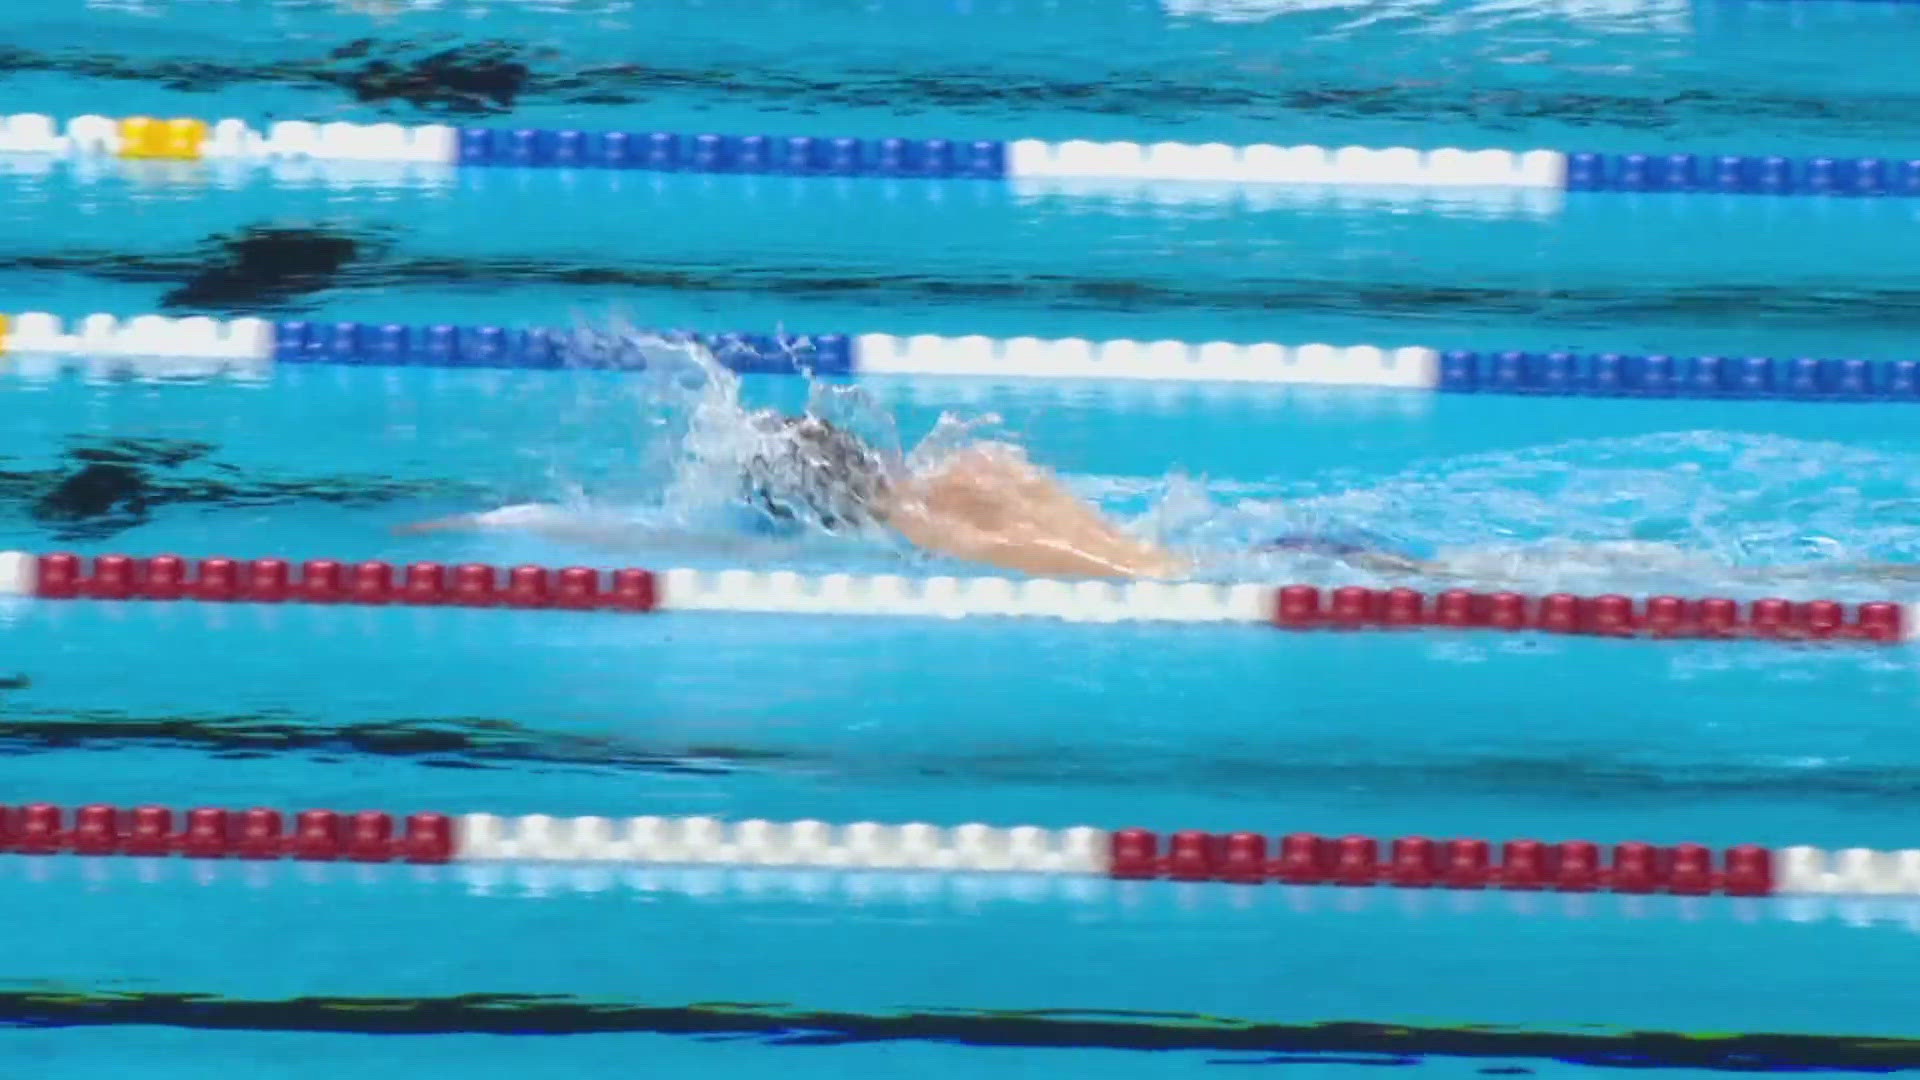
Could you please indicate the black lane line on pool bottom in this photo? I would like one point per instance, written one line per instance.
(509, 1014)
(491, 742)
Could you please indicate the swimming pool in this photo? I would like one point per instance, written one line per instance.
(837, 953)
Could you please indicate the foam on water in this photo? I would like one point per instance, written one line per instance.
(1693, 509)
(677, 477)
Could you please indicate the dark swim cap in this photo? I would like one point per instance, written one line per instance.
(814, 472)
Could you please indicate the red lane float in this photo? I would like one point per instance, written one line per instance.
(324, 581)
(212, 833)
(1291, 607)
(1301, 607)
(1417, 862)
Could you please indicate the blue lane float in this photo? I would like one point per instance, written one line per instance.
(796, 155)
(1737, 175)
(1618, 375)
(448, 346)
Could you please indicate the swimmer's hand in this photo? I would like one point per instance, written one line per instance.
(608, 532)
(553, 526)
(459, 523)
(535, 517)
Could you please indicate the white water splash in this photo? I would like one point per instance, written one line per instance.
(1693, 509)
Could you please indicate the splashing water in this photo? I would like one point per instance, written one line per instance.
(682, 478)
(1685, 510)
(692, 401)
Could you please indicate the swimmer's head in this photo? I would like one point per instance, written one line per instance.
(808, 470)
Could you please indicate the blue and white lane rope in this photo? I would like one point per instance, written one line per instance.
(1021, 160)
(37, 343)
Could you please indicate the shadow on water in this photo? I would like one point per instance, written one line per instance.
(261, 266)
(101, 488)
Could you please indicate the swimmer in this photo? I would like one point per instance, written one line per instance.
(988, 504)
(985, 504)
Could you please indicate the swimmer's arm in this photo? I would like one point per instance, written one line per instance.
(1388, 564)
(457, 523)
(542, 521)
(609, 535)
(591, 533)
(1852, 572)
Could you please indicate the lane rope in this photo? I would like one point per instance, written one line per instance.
(65, 576)
(39, 344)
(1015, 160)
(1415, 862)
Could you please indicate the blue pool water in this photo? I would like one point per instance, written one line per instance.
(318, 971)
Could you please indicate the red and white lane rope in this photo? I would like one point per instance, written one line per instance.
(1290, 607)
(1574, 866)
